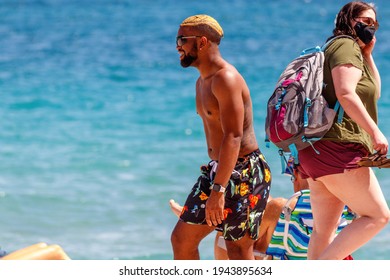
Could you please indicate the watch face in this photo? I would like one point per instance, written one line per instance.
(218, 188)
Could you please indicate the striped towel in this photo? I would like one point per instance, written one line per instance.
(292, 233)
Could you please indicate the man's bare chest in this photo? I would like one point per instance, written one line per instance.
(206, 102)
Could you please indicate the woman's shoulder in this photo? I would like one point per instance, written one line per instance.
(343, 44)
(344, 51)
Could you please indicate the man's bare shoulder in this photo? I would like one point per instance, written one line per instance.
(228, 71)
(228, 76)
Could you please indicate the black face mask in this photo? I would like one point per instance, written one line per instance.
(364, 32)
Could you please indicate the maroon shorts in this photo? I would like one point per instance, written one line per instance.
(334, 158)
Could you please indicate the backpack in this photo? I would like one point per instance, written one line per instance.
(297, 113)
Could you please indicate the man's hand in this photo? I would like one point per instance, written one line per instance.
(214, 208)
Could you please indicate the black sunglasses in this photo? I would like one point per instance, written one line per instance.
(181, 40)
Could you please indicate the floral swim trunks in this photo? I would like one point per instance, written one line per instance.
(246, 196)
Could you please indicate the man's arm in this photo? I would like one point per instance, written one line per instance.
(227, 88)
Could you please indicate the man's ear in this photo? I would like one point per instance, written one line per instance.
(203, 42)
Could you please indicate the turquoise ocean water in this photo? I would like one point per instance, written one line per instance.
(98, 128)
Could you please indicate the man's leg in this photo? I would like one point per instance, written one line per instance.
(185, 240)
(241, 249)
(219, 252)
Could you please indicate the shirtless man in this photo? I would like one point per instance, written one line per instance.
(232, 190)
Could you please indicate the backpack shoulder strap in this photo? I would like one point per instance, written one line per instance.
(340, 112)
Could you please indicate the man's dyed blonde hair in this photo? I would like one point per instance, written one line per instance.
(207, 25)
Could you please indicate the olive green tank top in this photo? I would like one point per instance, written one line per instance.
(346, 51)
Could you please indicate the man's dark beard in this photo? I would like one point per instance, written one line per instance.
(187, 60)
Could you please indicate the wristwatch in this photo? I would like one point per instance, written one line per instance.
(218, 188)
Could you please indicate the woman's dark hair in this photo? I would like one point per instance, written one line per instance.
(347, 13)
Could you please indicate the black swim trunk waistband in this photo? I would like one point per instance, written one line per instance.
(255, 153)
(246, 157)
